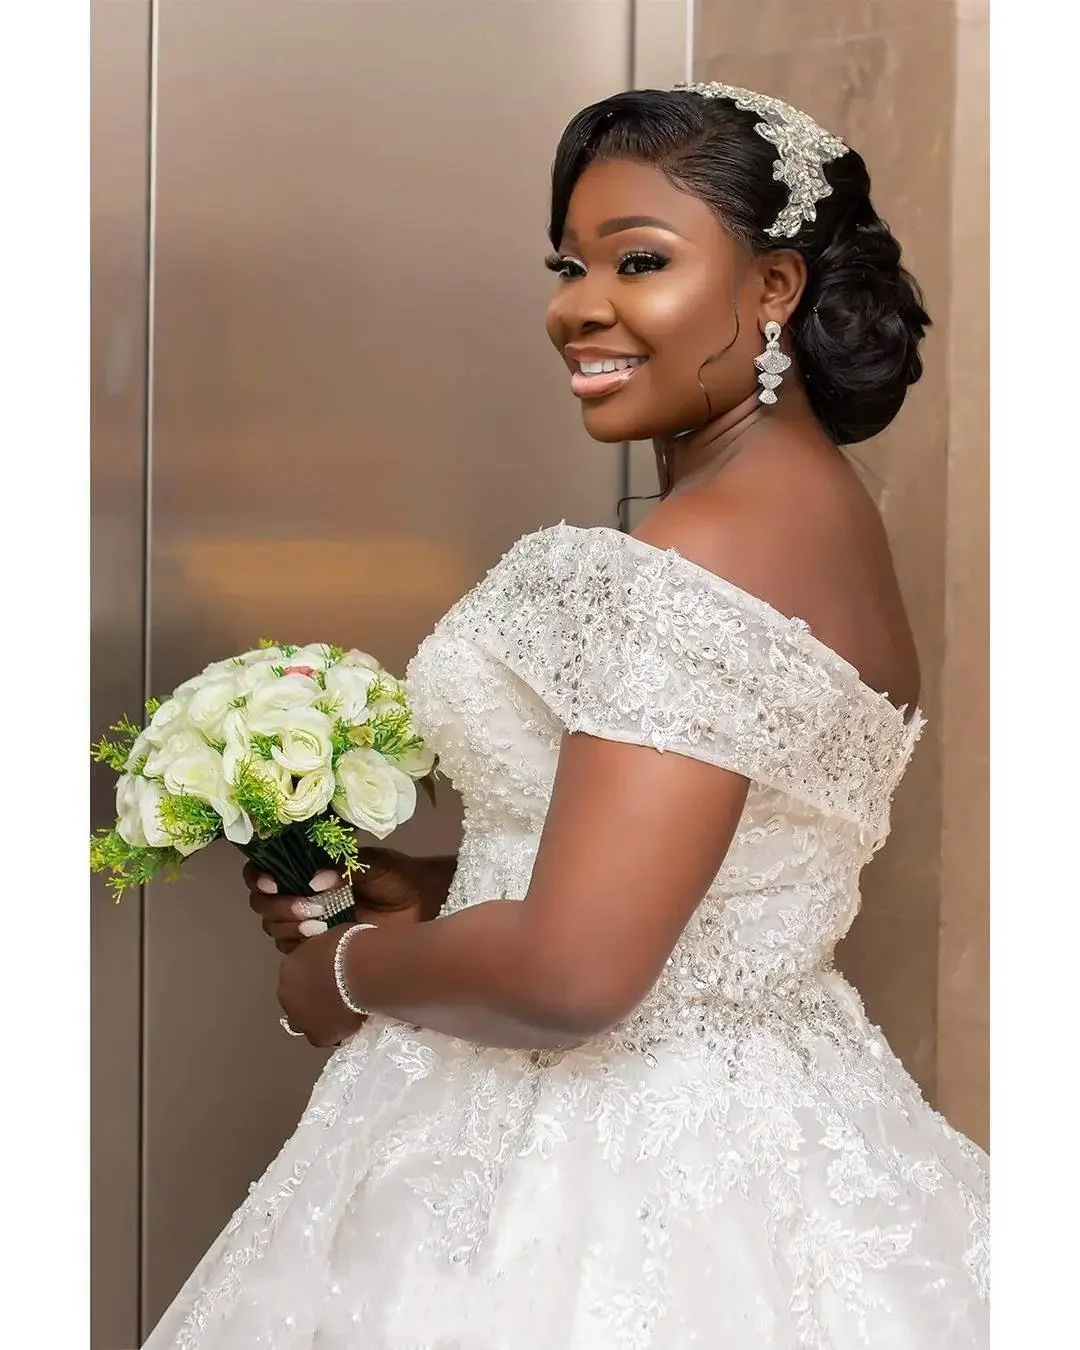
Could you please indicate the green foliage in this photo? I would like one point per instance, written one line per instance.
(259, 797)
(189, 821)
(341, 739)
(392, 733)
(131, 867)
(264, 746)
(336, 840)
(115, 750)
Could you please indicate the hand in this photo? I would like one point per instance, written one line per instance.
(390, 887)
(308, 992)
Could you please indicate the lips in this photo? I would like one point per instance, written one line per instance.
(600, 373)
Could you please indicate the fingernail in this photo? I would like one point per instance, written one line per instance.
(324, 881)
(308, 909)
(267, 885)
(311, 928)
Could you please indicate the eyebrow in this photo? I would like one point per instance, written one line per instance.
(621, 223)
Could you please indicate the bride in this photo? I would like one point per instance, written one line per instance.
(616, 1097)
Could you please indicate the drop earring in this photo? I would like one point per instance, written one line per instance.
(772, 362)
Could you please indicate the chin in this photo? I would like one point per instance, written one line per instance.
(610, 427)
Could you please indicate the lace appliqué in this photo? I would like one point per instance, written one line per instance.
(743, 1160)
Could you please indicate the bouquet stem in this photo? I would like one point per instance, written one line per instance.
(291, 858)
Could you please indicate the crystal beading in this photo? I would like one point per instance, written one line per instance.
(804, 148)
(772, 362)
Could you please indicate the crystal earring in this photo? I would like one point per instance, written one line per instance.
(772, 362)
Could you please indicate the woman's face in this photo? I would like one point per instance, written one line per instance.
(650, 280)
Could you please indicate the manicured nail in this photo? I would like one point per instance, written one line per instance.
(324, 881)
(308, 909)
(267, 885)
(311, 928)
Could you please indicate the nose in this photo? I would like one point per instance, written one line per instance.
(580, 307)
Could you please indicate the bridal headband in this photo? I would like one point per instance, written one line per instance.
(803, 148)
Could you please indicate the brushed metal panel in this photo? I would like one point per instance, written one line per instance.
(356, 411)
(119, 131)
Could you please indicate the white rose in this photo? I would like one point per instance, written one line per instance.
(140, 748)
(218, 668)
(237, 737)
(372, 794)
(270, 699)
(138, 822)
(305, 736)
(161, 721)
(256, 674)
(210, 704)
(348, 686)
(417, 763)
(269, 772)
(182, 739)
(355, 658)
(183, 692)
(128, 817)
(198, 773)
(310, 797)
(317, 655)
(235, 823)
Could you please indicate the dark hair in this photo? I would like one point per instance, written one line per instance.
(859, 323)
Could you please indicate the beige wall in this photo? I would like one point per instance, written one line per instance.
(905, 82)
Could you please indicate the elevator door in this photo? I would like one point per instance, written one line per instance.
(355, 411)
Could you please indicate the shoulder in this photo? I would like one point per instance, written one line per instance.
(783, 528)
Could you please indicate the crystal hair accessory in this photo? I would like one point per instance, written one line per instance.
(804, 148)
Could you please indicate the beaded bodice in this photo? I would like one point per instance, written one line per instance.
(590, 630)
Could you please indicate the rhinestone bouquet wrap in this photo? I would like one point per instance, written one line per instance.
(284, 751)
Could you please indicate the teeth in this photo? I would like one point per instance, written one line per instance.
(616, 363)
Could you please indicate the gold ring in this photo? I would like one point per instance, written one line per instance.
(283, 1023)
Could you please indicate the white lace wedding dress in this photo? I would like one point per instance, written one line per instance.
(743, 1164)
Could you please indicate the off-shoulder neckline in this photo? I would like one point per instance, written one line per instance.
(911, 718)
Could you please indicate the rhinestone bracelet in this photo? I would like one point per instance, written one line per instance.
(339, 968)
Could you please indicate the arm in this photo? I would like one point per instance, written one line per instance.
(633, 839)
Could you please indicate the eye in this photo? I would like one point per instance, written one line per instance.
(564, 267)
(640, 262)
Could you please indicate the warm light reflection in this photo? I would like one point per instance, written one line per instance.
(386, 568)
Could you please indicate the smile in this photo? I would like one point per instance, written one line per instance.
(594, 379)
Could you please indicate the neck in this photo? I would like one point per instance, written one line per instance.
(690, 456)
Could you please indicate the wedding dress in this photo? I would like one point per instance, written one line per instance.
(743, 1164)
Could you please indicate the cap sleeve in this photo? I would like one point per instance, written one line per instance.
(631, 643)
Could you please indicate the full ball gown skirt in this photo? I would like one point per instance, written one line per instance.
(743, 1164)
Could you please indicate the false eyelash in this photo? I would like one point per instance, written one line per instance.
(649, 255)
(556, 263)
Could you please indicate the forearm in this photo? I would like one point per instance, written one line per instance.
(479, 975)
(438, 873)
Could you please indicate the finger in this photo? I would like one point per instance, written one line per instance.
(258, 881)
(291, 931)
(327, 880)
(286, 907)
(285, 947)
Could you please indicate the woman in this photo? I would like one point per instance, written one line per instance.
(616, 1096)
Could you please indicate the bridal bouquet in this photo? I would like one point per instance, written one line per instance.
(283, 751)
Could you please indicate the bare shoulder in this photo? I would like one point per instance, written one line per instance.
(780, 524)
(794, 526)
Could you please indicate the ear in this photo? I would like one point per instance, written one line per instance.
(783, 280)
